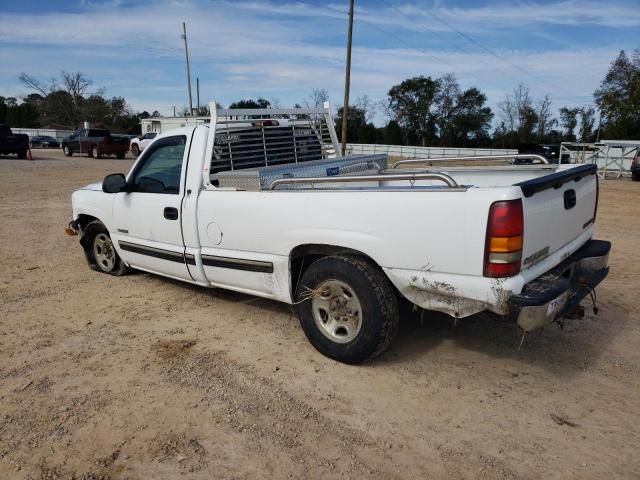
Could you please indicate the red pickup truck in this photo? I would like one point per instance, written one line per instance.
(95, 142)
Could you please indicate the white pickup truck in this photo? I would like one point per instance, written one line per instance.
(261, 202)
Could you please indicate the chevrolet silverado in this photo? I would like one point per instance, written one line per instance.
(261, 202)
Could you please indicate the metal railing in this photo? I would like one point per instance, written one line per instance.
(405, 151)
(414, 161)
(443, 177)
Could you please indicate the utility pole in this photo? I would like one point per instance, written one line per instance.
(198, 95)
(186, 54)
(174, 110)
(347, 81)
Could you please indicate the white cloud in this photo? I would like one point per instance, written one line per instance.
(243, 49)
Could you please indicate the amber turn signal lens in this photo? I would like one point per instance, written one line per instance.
(505, 244)
(70, 231)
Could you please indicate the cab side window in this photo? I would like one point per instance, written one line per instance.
(161, 167)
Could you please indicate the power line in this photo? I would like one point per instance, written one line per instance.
(492, 53)
(437, 58)
(389, 34)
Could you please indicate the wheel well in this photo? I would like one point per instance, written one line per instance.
(304, 255)
(82, 221)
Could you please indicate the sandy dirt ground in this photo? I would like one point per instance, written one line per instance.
(142, 377)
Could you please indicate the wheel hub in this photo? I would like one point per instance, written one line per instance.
(104, 252)
(337, 311)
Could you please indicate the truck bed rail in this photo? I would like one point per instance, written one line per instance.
(443, 177)
(526, 156)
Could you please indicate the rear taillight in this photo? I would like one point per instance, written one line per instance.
(503, 248)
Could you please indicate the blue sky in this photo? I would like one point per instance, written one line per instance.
(282, 49)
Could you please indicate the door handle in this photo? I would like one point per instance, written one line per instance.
(170, 213)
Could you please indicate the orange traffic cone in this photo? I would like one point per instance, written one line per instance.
(29, 156)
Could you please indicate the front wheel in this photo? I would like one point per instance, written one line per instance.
(135, 150)
(100, 252)
(95, 152)
(635, 177)
(67, 151)
(347, 308)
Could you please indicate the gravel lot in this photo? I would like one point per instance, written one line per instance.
(143, 377)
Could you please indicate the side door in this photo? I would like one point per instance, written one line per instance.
(74, 143)
(147, 218)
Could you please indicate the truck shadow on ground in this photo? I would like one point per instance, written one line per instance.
(37, 156)
(563, 352)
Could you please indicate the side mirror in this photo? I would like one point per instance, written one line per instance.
(140, 137)
(114, 183)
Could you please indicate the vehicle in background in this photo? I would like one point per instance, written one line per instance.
(550, 152)
(17, 143)
(635, 168)
(43, 141)
(269, 207)
(95, 142)
(138, 144)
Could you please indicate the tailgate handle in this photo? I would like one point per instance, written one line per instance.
(569, 199)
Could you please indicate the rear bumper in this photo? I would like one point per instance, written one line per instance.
(114, 149)
(556, 293)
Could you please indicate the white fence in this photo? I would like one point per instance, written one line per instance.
(425, 152)
(612, 157)
(32, 132)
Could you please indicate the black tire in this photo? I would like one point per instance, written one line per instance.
(96, 258)
(22, 154)
(94, 152)
(374, 294)
(120, 156)
(635, 177)
(135, 150)
(66, 149)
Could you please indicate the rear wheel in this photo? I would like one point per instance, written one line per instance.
(67, 151)
(100, 252)
(347, 308)
(22, 154)
(120, 156)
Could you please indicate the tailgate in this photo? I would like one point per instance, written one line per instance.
(557, 209)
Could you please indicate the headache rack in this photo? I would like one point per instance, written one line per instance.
(250, 138)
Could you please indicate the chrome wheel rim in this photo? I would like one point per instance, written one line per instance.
(66, 150)
(336, 311)
(95, 153)
(103, 252)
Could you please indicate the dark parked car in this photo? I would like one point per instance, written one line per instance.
(13, 143)
(95, 142)
(550, 152)
(635, 168)
(43, 141)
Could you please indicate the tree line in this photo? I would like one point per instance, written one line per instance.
(421, 111)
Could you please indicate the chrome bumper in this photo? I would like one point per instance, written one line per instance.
(558, 292)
